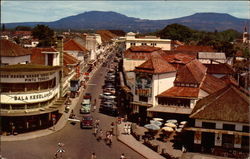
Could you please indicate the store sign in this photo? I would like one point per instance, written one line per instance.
(27, 78)
(28, 98)
(197, 137)
(237, 141)
(143, 86)
(218, 140)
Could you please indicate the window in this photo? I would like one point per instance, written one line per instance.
(143, 44)
(143, 99)
(245, 129)
(208, 125)
(153, 44)
(228, 127)
(132, 44)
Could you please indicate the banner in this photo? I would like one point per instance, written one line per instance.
(197, 137)
(218, 140)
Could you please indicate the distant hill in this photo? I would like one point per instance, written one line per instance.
(98, 20)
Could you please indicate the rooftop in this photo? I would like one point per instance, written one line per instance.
(72, 45)
(10, 49)
(27, 67)
(227, 104)
(180, 92)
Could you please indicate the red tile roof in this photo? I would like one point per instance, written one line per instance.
(69, 59)
(195, 48)
(38, 57)
(140, 52)
(212, 84)
(106, 35)
(192, 72)
(10, 49)
(72, 45)
(179, 58)
(180, 92)
(227, 104)
(155, 65)
(229, 80)
(221, 68)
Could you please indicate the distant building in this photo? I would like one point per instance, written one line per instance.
(131, 40)
(211, 57)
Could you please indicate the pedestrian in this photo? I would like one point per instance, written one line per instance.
(110, 138)
(95, 131)
(112, 125)
(93, 156)
(125, 129)
(123, 156)
(100, 135)
(129, 129)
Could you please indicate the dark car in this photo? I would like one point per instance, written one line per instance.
(87, 121)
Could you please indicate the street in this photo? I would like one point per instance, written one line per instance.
(78, 143)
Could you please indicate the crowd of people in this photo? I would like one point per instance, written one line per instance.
(108, 138)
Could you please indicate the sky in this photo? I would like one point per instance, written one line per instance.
(46, 11)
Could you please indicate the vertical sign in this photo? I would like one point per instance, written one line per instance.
(197, 137)
(237, 141)
(218, 140)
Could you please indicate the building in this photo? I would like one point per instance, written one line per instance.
(151, 78)
(211, 57)
(220, 70)
(33, 95)
(30, 97)
(131, 40)
(12, 53)
(192, 83)
(221, 124)
(78, 51)
(136, 55)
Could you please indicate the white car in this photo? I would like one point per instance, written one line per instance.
(107, 96)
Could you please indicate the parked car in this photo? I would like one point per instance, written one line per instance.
(107, 96)
(87, 121)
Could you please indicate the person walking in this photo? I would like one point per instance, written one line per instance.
(122, 156)
(100, 135)
(125, 129)
(93, 156)
(95, 131)
(129, 129)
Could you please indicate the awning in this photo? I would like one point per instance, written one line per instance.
(141, 104)
(170, 109)
(217, 131)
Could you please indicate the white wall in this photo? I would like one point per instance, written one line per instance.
(130, 64)
(164, 44)
(161, 83)
(202, 94)
(15, 60)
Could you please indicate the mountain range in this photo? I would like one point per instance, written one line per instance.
(99, 20)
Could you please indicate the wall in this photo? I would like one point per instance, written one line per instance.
(202, 94)
(161, 83)
(15, 60)
(164, 44)
(130, 64)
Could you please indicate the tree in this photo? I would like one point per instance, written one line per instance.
(23, 28)
(44, 34)
(176, 32)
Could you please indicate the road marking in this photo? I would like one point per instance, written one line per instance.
(76, 120)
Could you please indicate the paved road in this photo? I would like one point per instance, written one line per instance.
(79, 143)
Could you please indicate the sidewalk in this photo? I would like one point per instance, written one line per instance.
(58, 126)
(131, 142)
